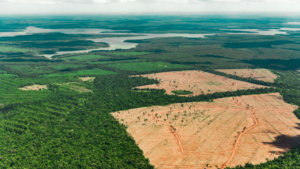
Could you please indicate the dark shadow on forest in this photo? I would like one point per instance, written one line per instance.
(284, 142)
(292, 64)
(298, 127)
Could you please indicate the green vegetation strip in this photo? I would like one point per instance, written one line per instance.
(65, 66)
(182, 92)
(7, 75)
(146, 66)
(85, 57)
(83, 72)
(4, 74)
(6, 49)
(131, 53)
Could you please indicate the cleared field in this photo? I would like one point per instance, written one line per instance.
(34, 87)
(258, 74)
(226, 132)
(198, 82)
(87, 78)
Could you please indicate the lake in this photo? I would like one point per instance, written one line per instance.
(119, 42)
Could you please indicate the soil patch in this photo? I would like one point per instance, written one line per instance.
(34, 87)
(87, 78)
(258, 74)
(227, 132)
(198, 82)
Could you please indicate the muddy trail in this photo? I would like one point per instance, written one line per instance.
(241, 134)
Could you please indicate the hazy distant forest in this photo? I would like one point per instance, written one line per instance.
(69, 125)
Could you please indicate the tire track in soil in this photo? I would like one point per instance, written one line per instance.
(240, 135)
(171, 127)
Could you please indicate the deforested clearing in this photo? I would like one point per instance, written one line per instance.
(87, 78)
(258, 74)
(34, 87)
(197, 81)
(225, 133)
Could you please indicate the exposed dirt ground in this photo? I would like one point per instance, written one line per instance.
(226, 132)
(258, 74)
(198, 82)
(87, 78)
(34, 87)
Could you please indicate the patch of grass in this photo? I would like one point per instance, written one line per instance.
(262, 71)
(182, 92)
(131, 53)
(146, 66)
(205, 118)
(83, 72)
(85, 57)
(214, 83)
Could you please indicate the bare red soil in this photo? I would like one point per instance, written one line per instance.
(198, 82)
(226, 132)
(34, 87)
(258, 74)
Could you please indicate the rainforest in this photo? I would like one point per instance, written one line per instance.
(149, 91)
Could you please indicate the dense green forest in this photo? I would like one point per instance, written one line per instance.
(69, 125)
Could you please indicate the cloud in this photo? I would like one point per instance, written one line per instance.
(146, 6)
(53, 2)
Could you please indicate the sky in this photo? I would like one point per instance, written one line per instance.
(145, 6)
